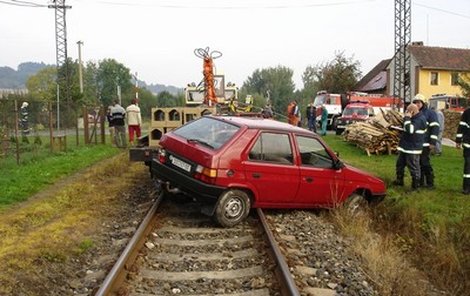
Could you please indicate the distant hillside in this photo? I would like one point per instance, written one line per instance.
(158, 88)
(11, 78)
(16, 79)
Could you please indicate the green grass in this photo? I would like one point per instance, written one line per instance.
(444, 203)
(433, 226)
(39, 167)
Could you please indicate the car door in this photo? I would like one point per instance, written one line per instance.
(271, 169)
(320, 184)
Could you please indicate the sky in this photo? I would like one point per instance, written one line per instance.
(156, 38)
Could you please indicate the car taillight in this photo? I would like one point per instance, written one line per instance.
(161, 155)
(206, 175)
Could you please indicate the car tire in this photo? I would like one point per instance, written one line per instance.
(355, 204)
(232, 207)
(339, 132)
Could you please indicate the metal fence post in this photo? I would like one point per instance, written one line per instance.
(16, 134)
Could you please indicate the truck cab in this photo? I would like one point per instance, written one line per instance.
(332, 103)
(353, 112)
(194, 94)
(452, 103)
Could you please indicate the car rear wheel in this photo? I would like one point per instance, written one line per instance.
(232, 207)
(355, 204)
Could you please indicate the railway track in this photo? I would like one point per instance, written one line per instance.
(179, 251)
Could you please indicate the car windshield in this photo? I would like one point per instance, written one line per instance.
(355, 111)
(208, 132)
(319, 100)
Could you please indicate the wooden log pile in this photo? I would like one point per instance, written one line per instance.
(451, 123)
(378, 135)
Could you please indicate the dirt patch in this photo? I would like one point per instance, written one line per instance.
(65, 239)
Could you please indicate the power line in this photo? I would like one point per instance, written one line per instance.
(286, 6)
(22, 3)
(442, 10)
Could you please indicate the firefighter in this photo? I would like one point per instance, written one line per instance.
(463, 139)
(249, 103)
(312, 117)
(293, 113)
(232, 108)
(432, 133)
(410, 146)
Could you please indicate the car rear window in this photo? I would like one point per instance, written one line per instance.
(208, 132)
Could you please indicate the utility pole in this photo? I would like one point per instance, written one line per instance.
(61, 49)
(80, 75)
(80, 79)
(136, 87)
(402, 60)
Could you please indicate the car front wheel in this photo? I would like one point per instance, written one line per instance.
(355, 204)
(232, 207)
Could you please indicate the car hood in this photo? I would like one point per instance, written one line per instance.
(360, 176)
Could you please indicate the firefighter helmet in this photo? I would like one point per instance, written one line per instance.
(420, 97)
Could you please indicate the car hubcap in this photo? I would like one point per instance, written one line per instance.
(233, 208)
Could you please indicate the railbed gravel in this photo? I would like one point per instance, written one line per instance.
(318, 246)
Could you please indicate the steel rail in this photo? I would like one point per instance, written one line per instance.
(288, 285)
(118, 273)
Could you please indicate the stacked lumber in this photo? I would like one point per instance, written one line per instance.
(378, 135)
(451, 123)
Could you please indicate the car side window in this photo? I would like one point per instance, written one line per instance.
(272, 147)
(313, 153)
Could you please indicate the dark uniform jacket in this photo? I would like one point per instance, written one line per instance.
(463, 132)
(118, 114)
(412, 139)
(432, 126)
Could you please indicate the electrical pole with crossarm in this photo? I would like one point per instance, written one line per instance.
(61, 49)
(402, 60)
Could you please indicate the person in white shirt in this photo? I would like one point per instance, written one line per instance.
(134, 120)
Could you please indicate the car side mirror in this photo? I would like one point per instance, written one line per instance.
(338, 164)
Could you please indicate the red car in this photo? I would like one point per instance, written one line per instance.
(239, 163)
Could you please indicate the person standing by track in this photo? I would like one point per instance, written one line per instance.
(463, 140)
(410, 147)
(134, 121)
(432, 132)
(118, 115)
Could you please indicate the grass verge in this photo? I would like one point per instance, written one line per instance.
(430, 227)
(40, 168)
(33, 234)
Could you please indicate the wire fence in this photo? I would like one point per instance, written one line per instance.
(33, 127)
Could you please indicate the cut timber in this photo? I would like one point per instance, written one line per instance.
(376, 135)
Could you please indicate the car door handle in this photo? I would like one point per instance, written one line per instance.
(256, 175)
(308, 179)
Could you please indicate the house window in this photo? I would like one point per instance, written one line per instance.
(434, 78)
(454, 78)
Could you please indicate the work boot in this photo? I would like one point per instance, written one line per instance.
(430, 181)
(422, 181)
(466, 186)
(399, 181)
(415, 184)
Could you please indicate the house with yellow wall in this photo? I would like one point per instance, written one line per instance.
(434, 70)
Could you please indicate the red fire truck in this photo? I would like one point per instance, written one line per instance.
(453, 103)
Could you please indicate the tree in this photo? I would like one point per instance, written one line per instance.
(166, 99)
(111, 74)
(464, 83)
(42, 86)
(336, 76)
(277, 81)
